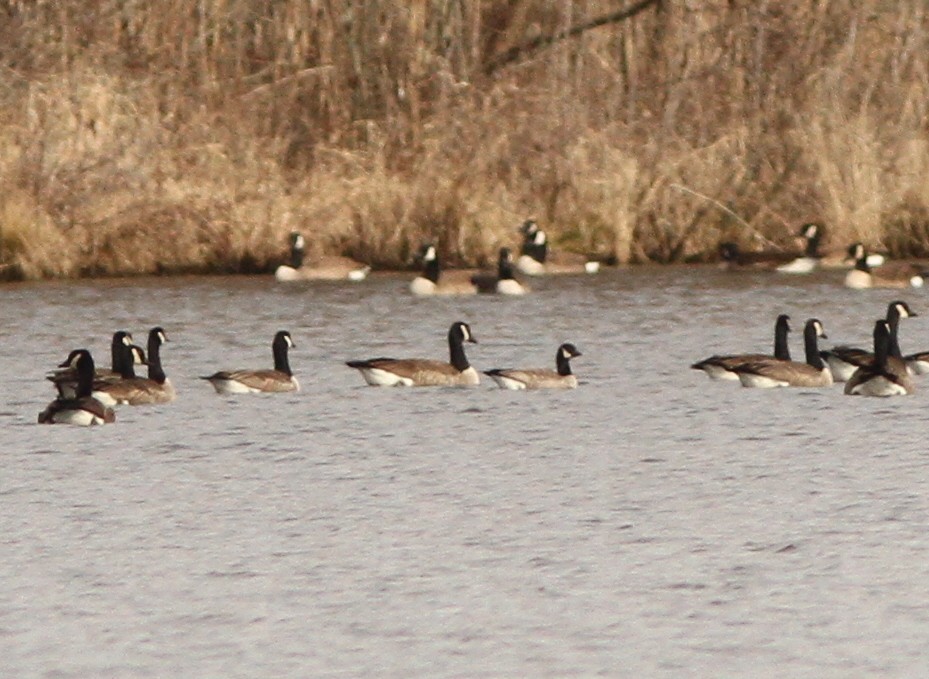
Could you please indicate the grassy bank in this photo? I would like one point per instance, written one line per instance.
(175, 136)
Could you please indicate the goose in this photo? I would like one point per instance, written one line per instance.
(810, 259)
(772, 372)
(421, 372)
(125, 356)
(83, 409)
(814, 258)
(253, 381)
(65, 377)
(918, 363)
(156, 388)
(504, 283)
(896, 275)
(329, 268)
(845, 258)
(733, 258)
(536, 260)
(433, 281)
(540, 378)
(721, 367)
(844, 360)
(878, 379)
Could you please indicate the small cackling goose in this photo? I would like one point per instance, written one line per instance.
(329, 268)
(433, 281)
(156, 388)
(721, 367)
(540, 378)
(879, 379)
(775, 373)
(253, 381)
(536, 260)
(892, 275)
(504, 283)
(421, 372)
(844, 360)
(83, 409)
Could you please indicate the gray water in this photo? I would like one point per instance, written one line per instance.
(650, 523)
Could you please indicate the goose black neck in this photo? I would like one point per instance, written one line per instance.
(781, 349)
(85, 376)
(431, 270)
(893, 325)
(861, 264)
(116, 352)
(296, 256)
(812, 245)
(155, 371)
(537, 251)
(893, 343)
(456, 352)
(882, 346)
(126, 367)
(281, 363)
(811, 346)
(505, 268)
(563, 362)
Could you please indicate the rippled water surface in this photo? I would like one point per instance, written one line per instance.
(650, 523)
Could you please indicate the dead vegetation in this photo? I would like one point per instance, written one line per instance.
(173, 136)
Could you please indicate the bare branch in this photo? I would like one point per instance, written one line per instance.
(517, 51)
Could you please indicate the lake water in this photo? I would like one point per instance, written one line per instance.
(650, 523)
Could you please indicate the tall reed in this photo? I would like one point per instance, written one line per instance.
(177, 136)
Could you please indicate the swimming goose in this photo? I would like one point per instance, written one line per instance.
(844, 360)
(83, 409)
(878, 379)
(733, 258)
(253, 381)
(918, 363)
(329, 268)
(65, 377)
(156, 388)
(893, 275)
(421, 372)
(504, 283)
(845, 258)
(810, 259)
(540, 378)
(434, 281)
(536, 260)
(775, 373)
(720, 367)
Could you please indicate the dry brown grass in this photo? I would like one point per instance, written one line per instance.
(162, 137)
